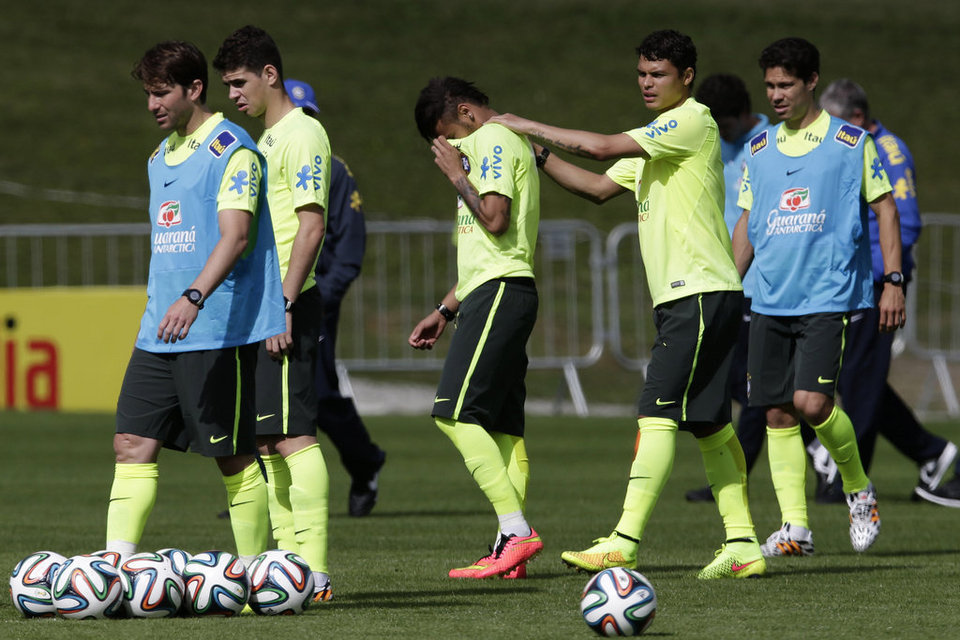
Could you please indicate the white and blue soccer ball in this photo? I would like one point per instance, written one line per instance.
(280, 583)
(88, 586)
(31, 581)
(178, 557)
(618, 602)
(215, 584)
(151, 586)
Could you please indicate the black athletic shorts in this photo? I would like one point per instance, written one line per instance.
(286, 395)
(483, 375)
(197, 400)
(790, 353)
(688, 378)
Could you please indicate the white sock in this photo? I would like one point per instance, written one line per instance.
(122, 547)
(514, 523)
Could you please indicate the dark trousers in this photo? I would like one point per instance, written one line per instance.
(337, 416)
(872, 404)
(752, 424)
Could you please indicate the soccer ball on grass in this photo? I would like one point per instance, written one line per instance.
(618, 602)
(280, 583)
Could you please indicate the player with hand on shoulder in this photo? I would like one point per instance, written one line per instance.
(298, 180)
(673, 167)
(213, 293)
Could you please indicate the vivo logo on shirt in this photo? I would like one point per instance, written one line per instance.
(653, 129)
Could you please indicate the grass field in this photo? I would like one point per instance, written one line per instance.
(389, 569)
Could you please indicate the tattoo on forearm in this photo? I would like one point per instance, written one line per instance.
(575, 149)
(470, 196)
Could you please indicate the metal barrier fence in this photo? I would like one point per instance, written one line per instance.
(582, 282)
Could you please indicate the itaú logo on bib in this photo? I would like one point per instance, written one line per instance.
(795, 199)
(169, 214)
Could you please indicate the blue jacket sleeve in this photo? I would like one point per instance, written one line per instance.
(346, 236)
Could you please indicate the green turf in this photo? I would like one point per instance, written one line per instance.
(389, 569)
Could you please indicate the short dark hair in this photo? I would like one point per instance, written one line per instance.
(670, 45)
(844, 96)
(173, 62)
(249, 47)
(725, 95)
(797, 56)
(440, 98)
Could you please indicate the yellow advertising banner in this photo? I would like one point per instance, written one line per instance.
(66, 348)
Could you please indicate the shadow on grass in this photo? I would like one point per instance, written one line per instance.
(439, 513)
(418, 599)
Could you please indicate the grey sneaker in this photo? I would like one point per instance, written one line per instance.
(864, 518)
(788, 540)
(931, 472)
(946, 495)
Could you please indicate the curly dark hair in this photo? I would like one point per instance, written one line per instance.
(440, 98)
(249, 47)
(670, 45)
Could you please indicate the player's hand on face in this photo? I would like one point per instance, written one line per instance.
(177, 321)
(447, 157)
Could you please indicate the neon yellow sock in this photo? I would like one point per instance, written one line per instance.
(652, 464)
(513, 452)
(278, 501)
(481, 455)
(132, 497)
(727, 474)
(839, 438)
(247, 498)
(788, 467)
(309, 488)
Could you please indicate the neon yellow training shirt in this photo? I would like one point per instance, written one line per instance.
(497, 161)
(683, 238)
(297, 151)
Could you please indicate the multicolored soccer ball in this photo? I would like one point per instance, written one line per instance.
(178, 557)
(215, 584)
(280, 583)
(31, 581)
(88, 586)
(152, 588)
(618, 602)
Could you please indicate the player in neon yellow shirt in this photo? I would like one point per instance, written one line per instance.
(297, 152)
(673, 166)
(480, 398)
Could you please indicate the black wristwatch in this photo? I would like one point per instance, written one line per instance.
(447, 314)
(542, 157)
(195, 297)
(895, 278)
(287, 305)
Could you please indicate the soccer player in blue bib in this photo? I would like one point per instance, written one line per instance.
(213, 293)
(806, 186)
